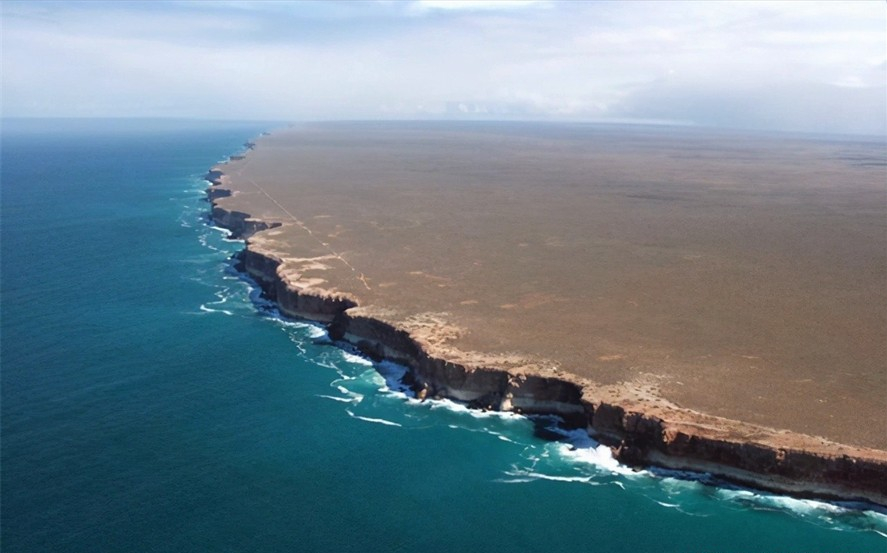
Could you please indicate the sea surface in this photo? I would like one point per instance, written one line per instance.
(151, 401)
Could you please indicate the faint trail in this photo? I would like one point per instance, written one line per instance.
(359, 275)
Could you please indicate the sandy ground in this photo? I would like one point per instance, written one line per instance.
(737, 275)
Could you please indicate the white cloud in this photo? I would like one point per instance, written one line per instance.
(697, 62)
(474, 5)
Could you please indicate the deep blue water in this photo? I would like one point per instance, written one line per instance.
(150, 403)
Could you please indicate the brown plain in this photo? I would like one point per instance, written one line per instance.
(736, 275)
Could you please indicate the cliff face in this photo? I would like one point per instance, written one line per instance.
(670, 437)
(643, 440)
(292, 302)
(479, 386)
(239, 224)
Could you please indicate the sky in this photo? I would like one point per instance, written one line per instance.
(785, 66)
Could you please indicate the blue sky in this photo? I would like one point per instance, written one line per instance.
(792, 66)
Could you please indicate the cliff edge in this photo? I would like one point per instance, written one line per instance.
(630, 416)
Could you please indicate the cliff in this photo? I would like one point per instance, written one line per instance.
(639, 432)
(239, 224)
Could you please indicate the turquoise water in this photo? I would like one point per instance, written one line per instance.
(151, 402)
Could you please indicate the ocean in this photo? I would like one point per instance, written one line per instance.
(151, 401)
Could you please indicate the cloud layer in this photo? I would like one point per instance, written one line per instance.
(769, 65)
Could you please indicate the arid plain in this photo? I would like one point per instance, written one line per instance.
(737, 275)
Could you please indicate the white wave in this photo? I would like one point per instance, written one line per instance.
(269, 308)
(225, 232)
(582, 448)
(677, 488)
(199, 313)
(299, 343)
(680, 506)
(531, 475)
(203, 239)
(600, 456)
(836, 516)
(580, 479)
(311, 330)
(352, 358)
(369, 419)
(223, 295)
(340, 399)
(346, 391)
(315, 331)
(514, 480)
(462, 409)
(782, 502)
(306, 331)
(326, 364)
(279, 320)
(206, 309)
(370, 377)
(354, 395)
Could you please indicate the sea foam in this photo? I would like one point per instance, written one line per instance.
(373, 420)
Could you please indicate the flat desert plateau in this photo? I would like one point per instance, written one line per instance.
(735, 275)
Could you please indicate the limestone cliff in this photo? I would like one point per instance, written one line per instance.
(239, 224)
(640, 434)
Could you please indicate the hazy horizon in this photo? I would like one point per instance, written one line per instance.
(791, 67)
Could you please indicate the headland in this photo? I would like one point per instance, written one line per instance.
(696, 300)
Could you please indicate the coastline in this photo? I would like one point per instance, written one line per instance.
(640, 434)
